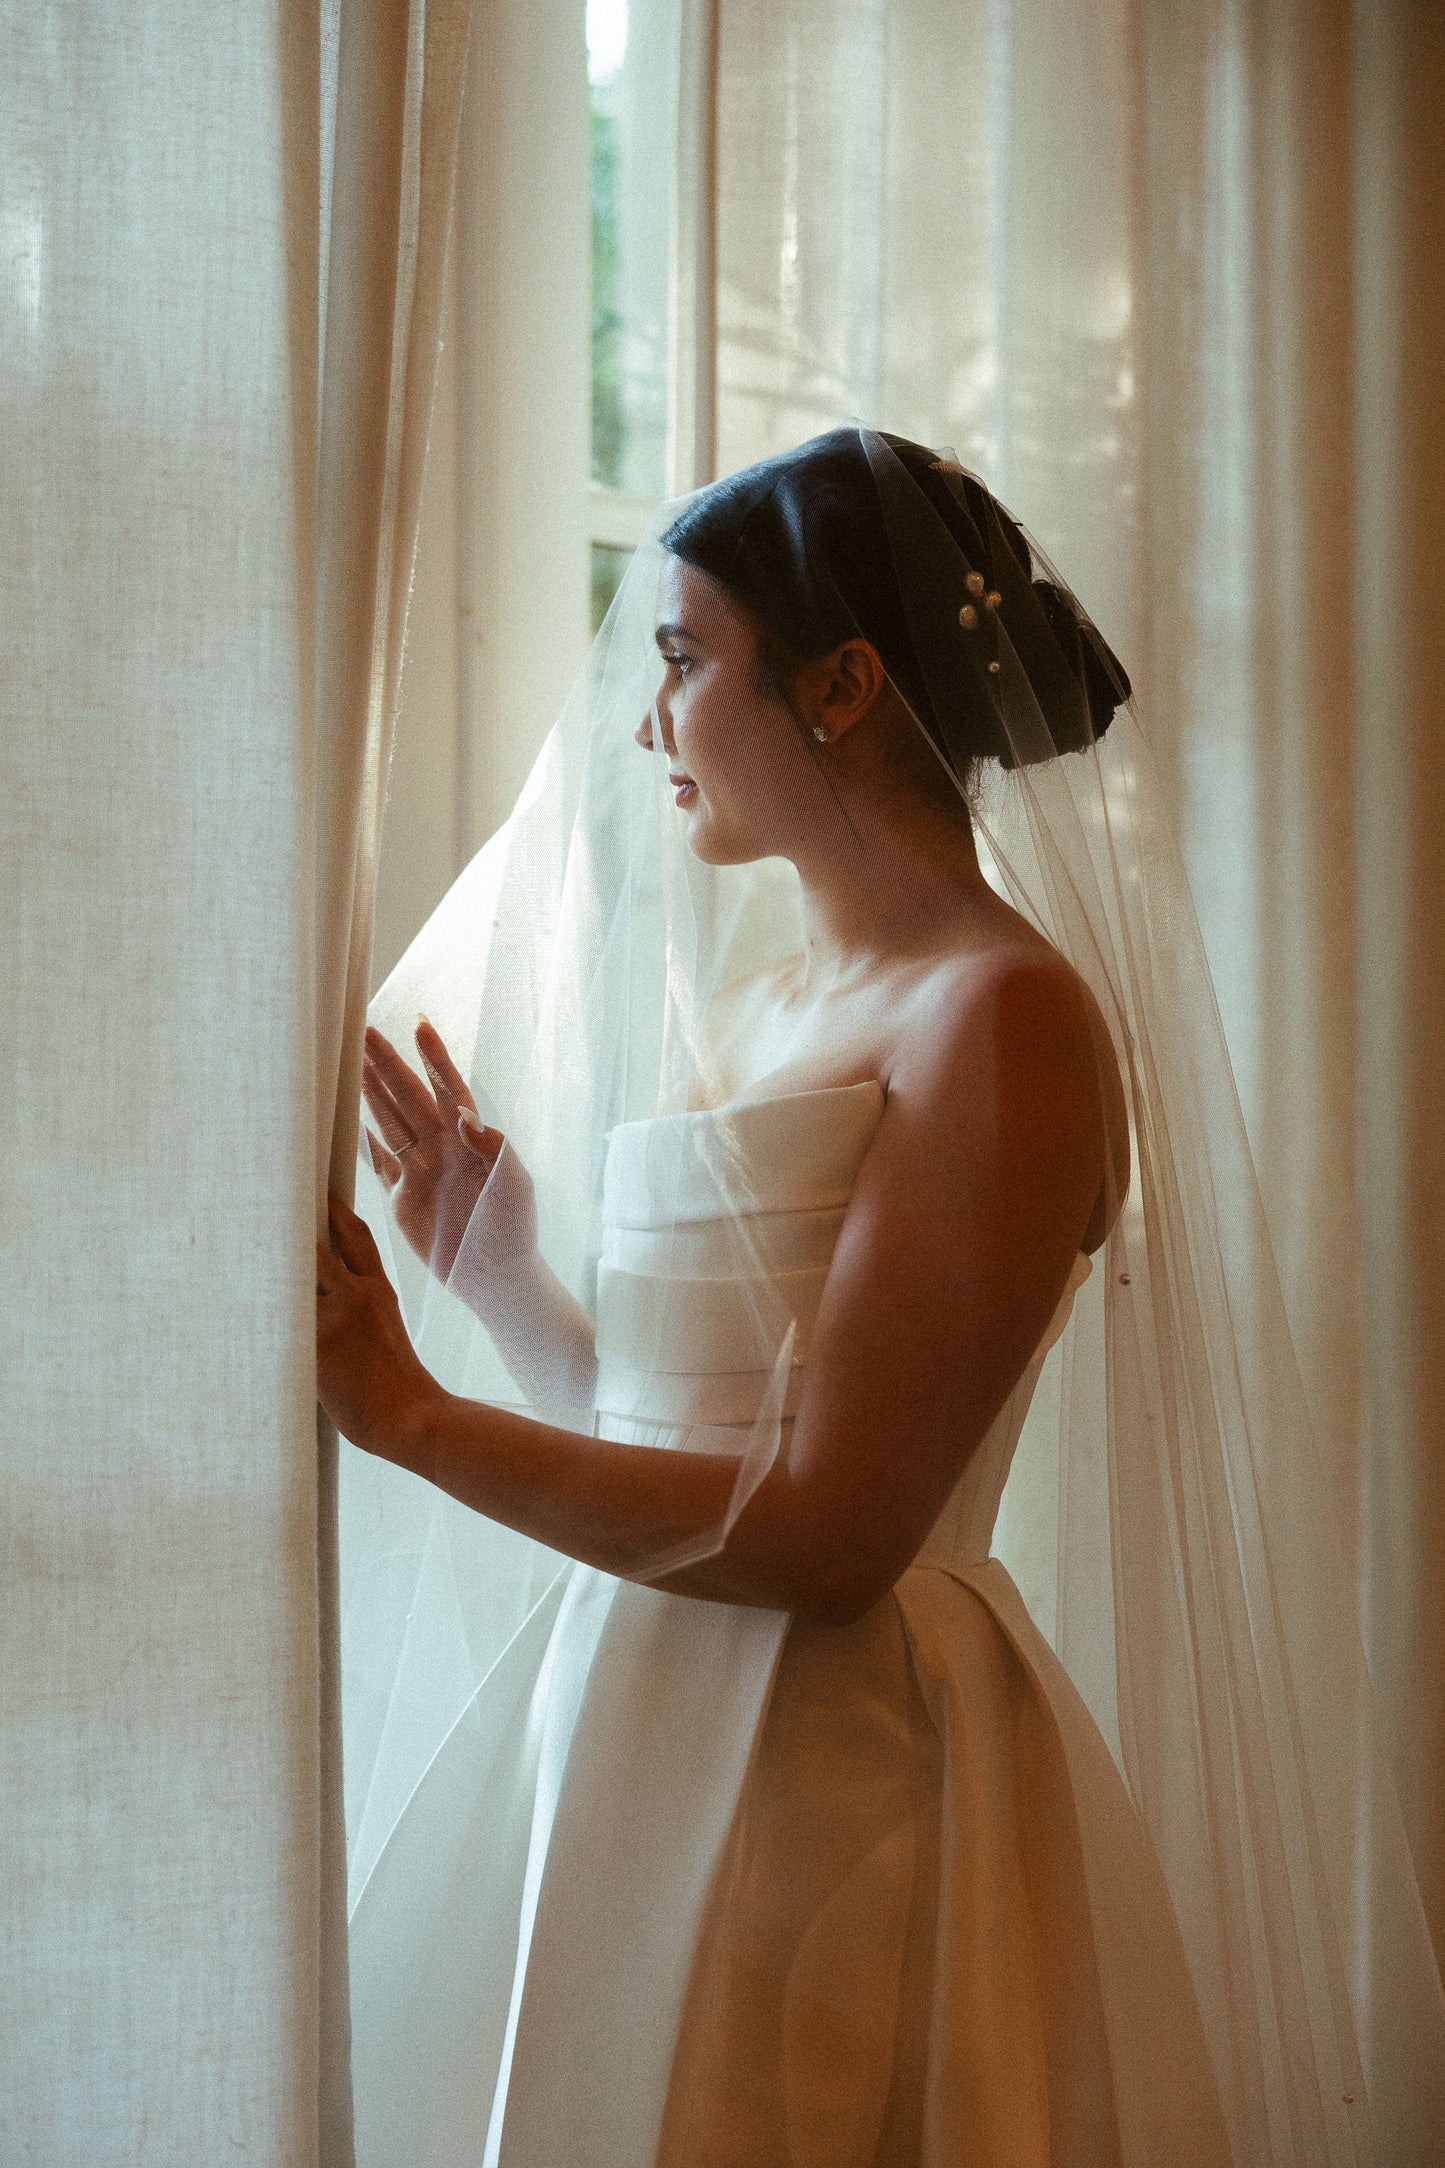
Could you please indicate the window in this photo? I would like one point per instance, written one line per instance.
(632, 70)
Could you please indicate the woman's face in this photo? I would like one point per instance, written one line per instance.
(736, 759)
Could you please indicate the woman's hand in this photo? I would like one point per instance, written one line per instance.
(436, 1156)
(368, 1378)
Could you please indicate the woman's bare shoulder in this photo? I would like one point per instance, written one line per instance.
(1016, 986)
(947, 1001)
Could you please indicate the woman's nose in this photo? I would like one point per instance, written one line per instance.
(658, 714)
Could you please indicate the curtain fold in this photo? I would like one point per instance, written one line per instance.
(397, 90)
(1164, 277)
(210, 498)
(398, 100)
(1399, 773)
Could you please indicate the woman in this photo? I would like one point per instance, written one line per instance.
(773, 1830)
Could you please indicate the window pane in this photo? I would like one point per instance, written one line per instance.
(632, 62)
(608, 566)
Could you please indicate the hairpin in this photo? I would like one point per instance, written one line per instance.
(990, 597)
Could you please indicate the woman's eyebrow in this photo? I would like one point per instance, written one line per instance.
(671, 632)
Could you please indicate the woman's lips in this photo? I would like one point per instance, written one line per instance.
(684, 790)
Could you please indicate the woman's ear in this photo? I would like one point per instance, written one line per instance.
(839, 689)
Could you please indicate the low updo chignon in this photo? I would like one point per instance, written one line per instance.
(1104, 683)
(802, 540)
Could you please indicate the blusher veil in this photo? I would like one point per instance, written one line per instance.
(1164, 1519)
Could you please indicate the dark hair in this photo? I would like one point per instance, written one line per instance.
(803, 541)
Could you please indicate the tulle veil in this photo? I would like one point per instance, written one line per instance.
(1164, 1519)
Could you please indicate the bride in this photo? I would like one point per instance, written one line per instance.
(759, 1823)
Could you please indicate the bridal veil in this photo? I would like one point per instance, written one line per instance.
(1165, 1518)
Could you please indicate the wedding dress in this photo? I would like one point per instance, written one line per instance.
(699, 1884)
(1082, 1845)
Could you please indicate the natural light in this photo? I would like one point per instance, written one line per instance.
(606, 38)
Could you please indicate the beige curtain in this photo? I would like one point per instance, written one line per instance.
(1171, 278)
(391, 82)
(220, 254)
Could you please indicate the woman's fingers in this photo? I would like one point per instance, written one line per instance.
(352, 1239)
(478, 1138)
(449, 1083)
(403, 1086)
(386, 1164)
(389, 1119)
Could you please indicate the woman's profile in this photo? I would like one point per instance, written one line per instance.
(716, 1800)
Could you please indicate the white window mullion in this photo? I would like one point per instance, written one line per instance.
(692, 327)
(653, 72)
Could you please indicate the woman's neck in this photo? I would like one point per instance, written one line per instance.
(900, 883)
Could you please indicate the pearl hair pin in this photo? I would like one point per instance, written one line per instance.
(989, 596)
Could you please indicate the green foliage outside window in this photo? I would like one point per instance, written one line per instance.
(608, 566)
(607, 410)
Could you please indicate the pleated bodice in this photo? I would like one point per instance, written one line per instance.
(719, 1227)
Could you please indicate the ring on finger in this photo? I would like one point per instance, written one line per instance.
(399, 1151)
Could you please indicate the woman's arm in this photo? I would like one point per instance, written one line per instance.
(542, 1333)
(613, 1506)
(963, 1226)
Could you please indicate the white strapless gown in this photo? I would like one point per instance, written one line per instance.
(712, 1887)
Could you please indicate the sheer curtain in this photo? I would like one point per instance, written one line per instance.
(499, 626)
(220, 256)
(1169, 278)
(1166, 277)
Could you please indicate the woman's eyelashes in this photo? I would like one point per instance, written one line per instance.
(679, 663)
